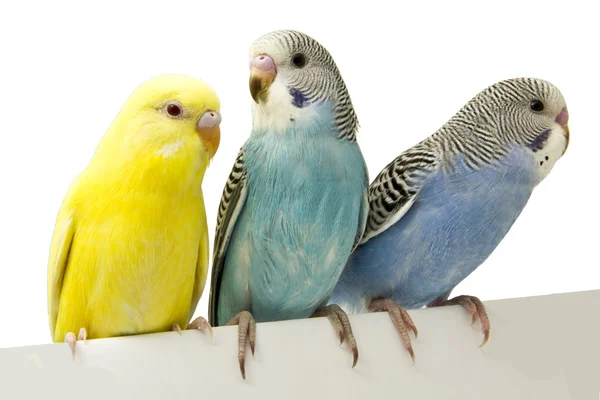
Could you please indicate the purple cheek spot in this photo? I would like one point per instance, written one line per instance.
(298, 98)
(538, 142)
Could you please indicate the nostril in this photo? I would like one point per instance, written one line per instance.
(209, 119)
(264, 63)
(563, 117)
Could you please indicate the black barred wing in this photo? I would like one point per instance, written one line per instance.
(395, 189)
(363, 214)
(232, 202)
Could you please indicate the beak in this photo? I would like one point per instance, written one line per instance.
(262, 75)
(563, 121)
(568, 135)
(209, 131)
(211, 138)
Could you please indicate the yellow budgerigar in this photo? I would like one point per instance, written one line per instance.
(129, 253)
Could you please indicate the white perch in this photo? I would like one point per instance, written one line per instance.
(544, 347)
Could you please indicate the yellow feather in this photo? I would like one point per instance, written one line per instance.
(129, 252)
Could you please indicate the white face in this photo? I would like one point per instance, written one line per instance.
(290, 75)
(553, 149)
(533, 114)
(278, 113)
(549, 110)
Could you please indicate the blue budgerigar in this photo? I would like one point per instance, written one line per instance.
(440, 209)
(295, 204)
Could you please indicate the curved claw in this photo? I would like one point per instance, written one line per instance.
(341, 325)
(476, 310)
(246, 334)
(176, 328)
(242, 362)
(408, 321)
(71, 340)
(483, 318)
(201, 324)
(401, 320)
(355, 355)
(252, 335)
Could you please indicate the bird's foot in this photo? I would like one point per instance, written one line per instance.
(402, 321)
(176, 328)
(476, 310)
(246, 334)
(201, 324)
(341, 324)
(72, 341)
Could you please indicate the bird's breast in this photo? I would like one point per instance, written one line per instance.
(299, 222)
(133, 261)
(457, 220)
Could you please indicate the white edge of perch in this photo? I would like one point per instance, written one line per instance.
(545, 347)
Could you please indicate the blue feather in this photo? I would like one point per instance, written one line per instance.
(457, 220)
(298, 225)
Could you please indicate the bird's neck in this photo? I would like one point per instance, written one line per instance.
(171, 170)
(316, 120)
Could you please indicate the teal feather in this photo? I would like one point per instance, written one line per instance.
(304, 206)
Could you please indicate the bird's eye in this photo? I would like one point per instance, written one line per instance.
(536, 106)
(299, 60)
(173, 109)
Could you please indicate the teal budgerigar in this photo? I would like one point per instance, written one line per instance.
(295, 204)
(440, 209)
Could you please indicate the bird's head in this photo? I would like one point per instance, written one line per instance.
(525, 112)
(293, 79)
(170, 117)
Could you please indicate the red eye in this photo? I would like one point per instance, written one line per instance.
(174, 110)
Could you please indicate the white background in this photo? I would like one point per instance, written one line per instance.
(67, 68)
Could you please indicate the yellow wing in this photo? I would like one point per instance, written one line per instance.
(62, 238)
(201, 265)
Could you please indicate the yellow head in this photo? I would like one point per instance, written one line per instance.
(169, 124)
